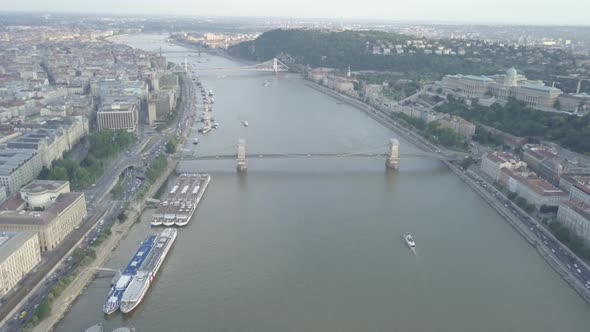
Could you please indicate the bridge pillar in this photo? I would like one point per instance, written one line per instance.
(242, 161)
(393, 155)
(275, 65)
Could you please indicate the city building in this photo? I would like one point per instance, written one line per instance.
(580, 191)
(457, 124)
(530, 187)
(119, 113)
(160, 104)
(324, 77)
(45, 207)
(540, 192)
(19, 254)
(492, 163)
(168, 82)
(575, 215)
(567, 181)
(549, 164)
(52, 143)
(119, 88)
(18, 167)
(501, 87)
(574, 103)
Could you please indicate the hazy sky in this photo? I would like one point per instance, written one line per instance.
(484, 11)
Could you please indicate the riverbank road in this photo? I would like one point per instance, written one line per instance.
(578, 270)
(64, 301)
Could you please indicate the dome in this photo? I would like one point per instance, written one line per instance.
(511, 72)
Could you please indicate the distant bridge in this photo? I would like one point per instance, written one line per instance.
(273, 65)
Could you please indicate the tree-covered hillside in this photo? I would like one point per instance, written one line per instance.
(355, 49)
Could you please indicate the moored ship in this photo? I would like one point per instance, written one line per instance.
(142, 281)
(180, 203)
(116, 293)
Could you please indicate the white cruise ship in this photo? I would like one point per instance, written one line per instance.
(145, 276)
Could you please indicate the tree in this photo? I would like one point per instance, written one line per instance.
(466, 162)
(44, 175)
(58, 173)
(44, 310)
(577, 243)
(520, 201)
(83, 177)
(548, 209)
(512, 195)
(171, 146)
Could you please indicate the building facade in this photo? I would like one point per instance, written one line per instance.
(45, 207)
(160, 104)
(18, 167)
(19, 254)
(119, 113)
(548, 164)
(501, 87)
(52, 143)
(492, 163)
(575, 215)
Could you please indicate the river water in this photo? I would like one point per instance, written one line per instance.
(315, 244)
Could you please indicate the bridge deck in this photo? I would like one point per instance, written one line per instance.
(316, 155)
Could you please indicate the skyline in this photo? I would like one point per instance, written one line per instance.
(505, 12)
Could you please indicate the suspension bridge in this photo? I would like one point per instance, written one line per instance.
(391, 156)
(273, 65)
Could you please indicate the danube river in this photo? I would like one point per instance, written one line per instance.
(315, 244)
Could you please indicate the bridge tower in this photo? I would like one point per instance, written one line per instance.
(242, 161)
(393, 155)
(275, 65)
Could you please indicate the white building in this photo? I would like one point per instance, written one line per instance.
(19, 254)
(575, 215)
(18, 167)
(501, 87)
(45, 207)
(492, 163)
(119, 113)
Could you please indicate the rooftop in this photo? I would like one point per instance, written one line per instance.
(38, 186)
(502, 157)
(544, 188)
(580, 207)
(9, 215)
(12, 240)
(12, 159)
(478, 78)
(541, 88)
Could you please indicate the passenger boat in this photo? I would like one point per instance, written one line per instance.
(410, 241)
